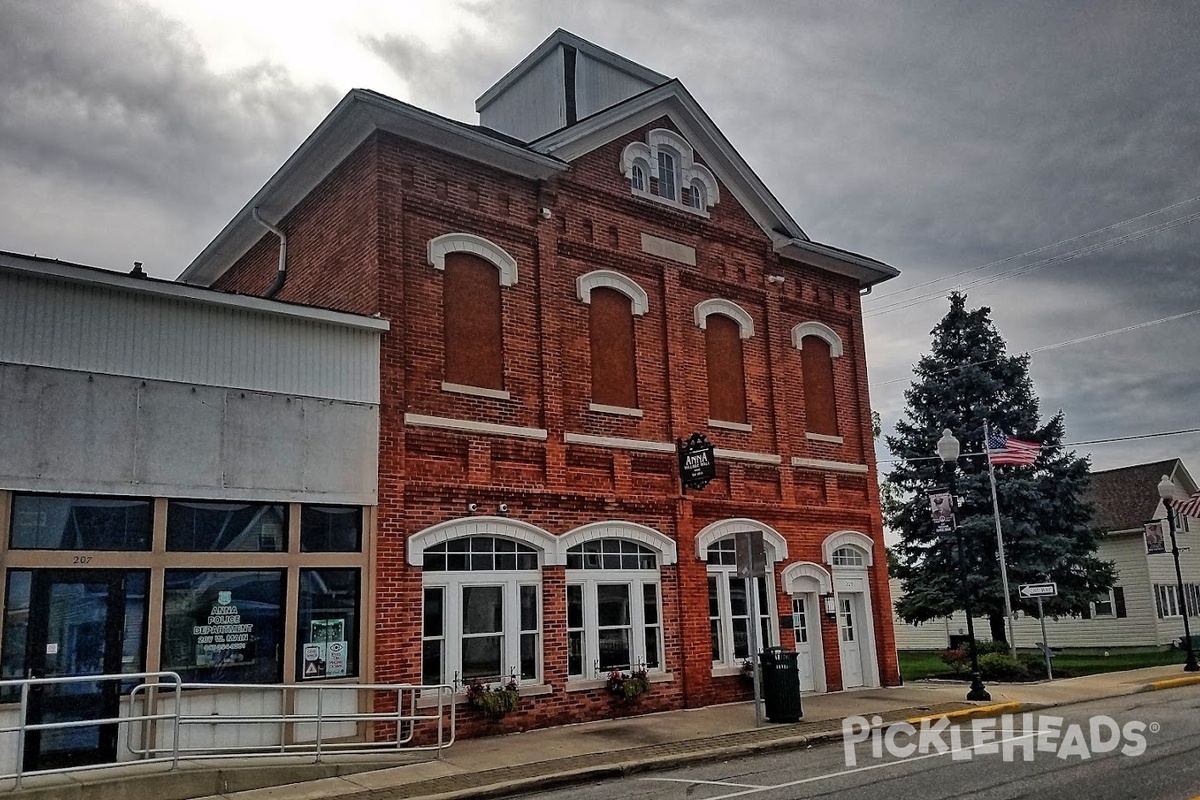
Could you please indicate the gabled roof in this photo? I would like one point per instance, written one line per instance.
(359, 114)
(1126, 497)
(673, 100)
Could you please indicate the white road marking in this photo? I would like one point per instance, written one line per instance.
(868, 768)
(712, 783)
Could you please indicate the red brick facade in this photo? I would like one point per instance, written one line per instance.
(359, 243)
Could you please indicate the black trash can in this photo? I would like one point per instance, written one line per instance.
(780, 684)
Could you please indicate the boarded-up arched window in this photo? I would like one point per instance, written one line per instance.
(819, 402)
(614, 361)
(473, 326)
(726, 372)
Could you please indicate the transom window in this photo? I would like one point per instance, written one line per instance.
(481, 617)
(479, 553)
(614, 613)
(730, 607)
(848, 557)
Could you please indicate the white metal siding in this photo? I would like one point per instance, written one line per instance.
(600, 86)
(533, 106)
(90, 328)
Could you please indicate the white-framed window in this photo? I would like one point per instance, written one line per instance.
(481, 615)
(666, 175)
(1103, 606)
(800, 620)
(848, 557)
(730, 613)
(1166, 597)
(637, 178)
(614, 608)
(696, 196)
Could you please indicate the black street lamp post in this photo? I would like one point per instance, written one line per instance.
(1166, 490)
(948, 449)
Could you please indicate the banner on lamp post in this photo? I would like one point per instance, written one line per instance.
(1155, 542)
(941, 509)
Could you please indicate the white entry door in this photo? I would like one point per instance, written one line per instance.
(808, 638)
(850, 637)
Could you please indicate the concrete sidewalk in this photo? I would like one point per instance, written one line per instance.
(495, 766)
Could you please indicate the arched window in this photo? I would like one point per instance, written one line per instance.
(614, 617)
(697, 195)
(614, 359)
(482, 611)
(726, 369)
(848, 557)
(666, 175)
(730, 612)
(637, 179)
(473, 322)
(820, 403)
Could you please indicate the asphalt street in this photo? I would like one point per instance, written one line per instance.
(1150, 749)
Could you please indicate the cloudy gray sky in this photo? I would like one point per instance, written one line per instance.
(936, 136)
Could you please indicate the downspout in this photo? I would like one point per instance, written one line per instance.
(281, 275)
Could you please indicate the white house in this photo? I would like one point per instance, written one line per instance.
(1143, 609)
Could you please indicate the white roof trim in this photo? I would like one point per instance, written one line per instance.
(488, 250)
(794, 574)
(777, 549)
(535, 537)
(620, 529)
(819, 330)
(37, 267)
(608, 279)
(848, 538)
(727, 308)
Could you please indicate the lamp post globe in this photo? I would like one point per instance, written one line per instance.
(1167, 491)
(948, 449)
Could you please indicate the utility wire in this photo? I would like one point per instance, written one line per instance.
(1035, 251)
(1035, 266)
(1054, 346)
(1109, 440)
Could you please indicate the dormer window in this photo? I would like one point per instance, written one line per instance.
(666, 175)
(678, 180)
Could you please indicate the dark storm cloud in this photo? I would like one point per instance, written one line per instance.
(111, 105)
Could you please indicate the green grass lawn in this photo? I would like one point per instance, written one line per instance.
(916, 665)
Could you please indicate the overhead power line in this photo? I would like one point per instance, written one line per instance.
(1036, 266)
(1056, 345)
(1108, 440)
(1042, 249)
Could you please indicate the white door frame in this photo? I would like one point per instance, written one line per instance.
(854, 579)
(813, 582)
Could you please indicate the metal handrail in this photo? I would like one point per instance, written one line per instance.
(144, 712)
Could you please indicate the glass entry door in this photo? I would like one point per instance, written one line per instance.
(78, 622)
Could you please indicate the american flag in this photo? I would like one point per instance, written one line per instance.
(1189, 507)
(1006, 450)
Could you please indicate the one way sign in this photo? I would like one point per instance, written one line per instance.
(1029, 591)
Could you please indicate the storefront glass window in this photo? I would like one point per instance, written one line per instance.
(200, 526)
(331, 529)
(223, 626)
(327, 627)
(58, 522)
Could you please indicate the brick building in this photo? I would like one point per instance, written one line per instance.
(588, 275)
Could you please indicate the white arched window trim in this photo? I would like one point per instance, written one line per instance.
(535, 537)
(489, 251)
(848, 538)
(607, 279)
(821, 332)
(688, 171)
(729, 309)
(796, 575)
(620, 529)
(776, 545)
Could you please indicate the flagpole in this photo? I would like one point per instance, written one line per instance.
(1008, 613)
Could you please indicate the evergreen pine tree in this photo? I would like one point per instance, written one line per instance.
(968, 378)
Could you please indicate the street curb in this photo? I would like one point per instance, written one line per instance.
(1171, 683)
(992, 710)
